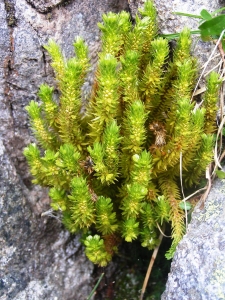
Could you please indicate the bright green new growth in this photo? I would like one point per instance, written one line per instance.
(113, 169)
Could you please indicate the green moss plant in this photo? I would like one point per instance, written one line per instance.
(113, 167)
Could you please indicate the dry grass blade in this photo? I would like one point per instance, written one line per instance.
(217, 150)
(218, 154)
(206, 64)
(168, 236)
(208, 187)
(95, 287)
(155, 252)
(182, 190)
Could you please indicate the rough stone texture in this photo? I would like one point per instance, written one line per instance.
(198, 268)
(45, 5)
(38, 259)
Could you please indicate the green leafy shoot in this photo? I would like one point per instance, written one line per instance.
(172, 36)
(217, 11)
(211, 25)
(220, 174)
(187, 15)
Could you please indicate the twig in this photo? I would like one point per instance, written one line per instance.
(216, 55)
(210, 57)
(50, 213)
(154, 254)
(209, 185)
(182, 190)
(222, 156)
(219, 65)
(216, 158)
(220, 48)
(168, 236)
(181, 180)
(203, 89)
(196, 192)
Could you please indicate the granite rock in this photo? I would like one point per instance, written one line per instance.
(38, 258)
(198, 268)
(44, 6)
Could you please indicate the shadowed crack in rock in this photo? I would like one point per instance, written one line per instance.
(10, 12)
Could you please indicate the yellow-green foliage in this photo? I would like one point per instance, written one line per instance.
(113, 168)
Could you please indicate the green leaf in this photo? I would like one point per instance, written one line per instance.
(218, 10)
(205, 14)
(187, 15)
(185, 205)
(171, 36)
(213, 27)
(220, 174)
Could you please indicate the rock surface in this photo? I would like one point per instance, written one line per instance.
(198, 268)
(38, 259)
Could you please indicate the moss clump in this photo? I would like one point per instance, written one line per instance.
(113, 168)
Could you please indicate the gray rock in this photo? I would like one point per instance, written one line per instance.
(38, 258)
(44, 6)
(198, 268)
